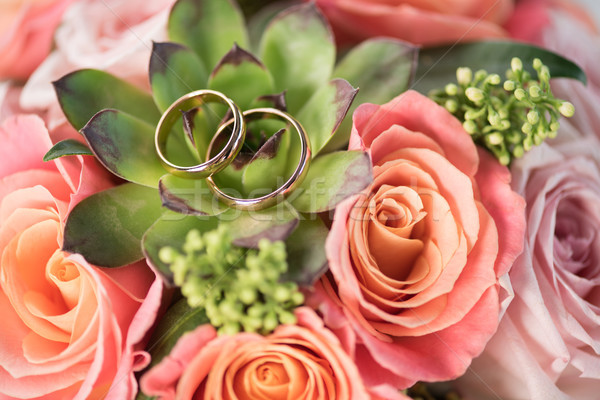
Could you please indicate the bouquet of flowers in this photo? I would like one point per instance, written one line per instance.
(330, 199)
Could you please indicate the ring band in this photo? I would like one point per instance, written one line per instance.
(284, 190)
(214, 164)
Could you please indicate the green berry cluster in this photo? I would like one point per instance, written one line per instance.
(238, 288)
(510, 117)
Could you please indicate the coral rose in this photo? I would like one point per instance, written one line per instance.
(70, 330)
(420, 22)
(303, 361)
(26, 30)
(415, 259)
(551, 330)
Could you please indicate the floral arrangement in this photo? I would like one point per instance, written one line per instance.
(335, 199)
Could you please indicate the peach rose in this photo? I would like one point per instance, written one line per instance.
(70, 330)
(427, 23)
(26, 29)
(303, 361)
(415, 259)
(112, 35)
(548, 343)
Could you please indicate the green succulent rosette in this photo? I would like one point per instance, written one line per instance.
(292, 65)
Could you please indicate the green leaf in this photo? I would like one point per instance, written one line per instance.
(257, 23)
(209, 27)
(266, 170)
(189, 196)
(248, 227)
(174, 71)
(179, 319)
(332, 178)
(325, 110)
(83, 93)
(437, 65)
(125, 146)
(171, 229)
(297, 48)
(381, 68)
(306, 256)
(67, 147)
(241, 76)
(107, 227)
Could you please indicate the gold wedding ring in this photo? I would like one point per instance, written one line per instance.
(219, 161)
(284, 190)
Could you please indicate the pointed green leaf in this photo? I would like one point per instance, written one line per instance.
(437, 65)
(189, 196)
(266, 171)
(209, 27)
(179, 319)
(382, 69)
(83, 93)
(174, 71)
(248, 227)
(67, 147)
(306, 256)
(171, 229)
(241, 76)
(125, 146)
(325, 110)
(332, 178)
(107, 227)
(297, 48)
(259, 21)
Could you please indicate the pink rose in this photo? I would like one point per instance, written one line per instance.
(420, 22)
(111, 35)
(26, 29)
(545, 23)
(70, 330)
(303, 361)
(415, 259)
(548, 343)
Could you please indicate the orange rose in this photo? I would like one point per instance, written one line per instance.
(421, 22)
(415, 259)
(70, 330)
(303, 361)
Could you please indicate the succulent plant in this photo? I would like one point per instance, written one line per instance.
(292, 65)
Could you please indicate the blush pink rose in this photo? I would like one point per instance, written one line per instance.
(415, 259)
(70, 330)
(551, 20)
(26, 30)
(548, 343)
(303, 361)
(112, 35)
(427, 23)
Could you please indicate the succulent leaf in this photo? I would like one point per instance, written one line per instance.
(307, 260)
(83, 93)
(125, 146)
(241, 76)
(174, 71)
(332, 178)
(209, 27)
(323, 113)
(108, 226)
(297, 47)
(67, 147)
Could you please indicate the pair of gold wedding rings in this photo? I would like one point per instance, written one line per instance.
(231, 149)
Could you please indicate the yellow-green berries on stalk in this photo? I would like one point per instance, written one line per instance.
(510, 117)
(238, 288)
